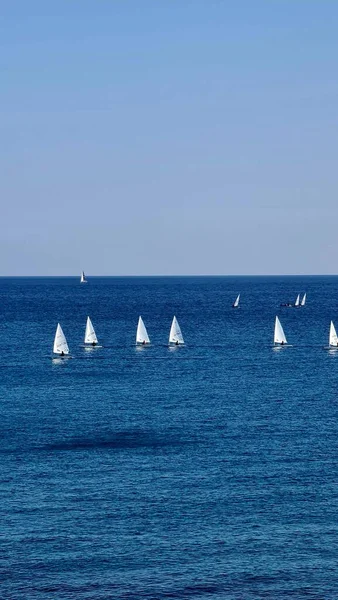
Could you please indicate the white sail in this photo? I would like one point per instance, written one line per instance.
(60, 342)
(90, 335)
(333, 339)
(236, 303)
(303, 300)
(142, 336)
(83, 278)
(297, 300)
(279, 335)
(175, 336)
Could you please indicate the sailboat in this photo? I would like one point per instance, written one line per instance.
(90, 335)
(175, 335)
(279, 335)
(83, 277)
(60, 342)
(297, 303)
(303, 300)
(142, 336)
(236, 303)
(333, 338)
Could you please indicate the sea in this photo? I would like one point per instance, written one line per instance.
(207, 471)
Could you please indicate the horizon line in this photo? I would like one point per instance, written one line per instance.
(176, 275)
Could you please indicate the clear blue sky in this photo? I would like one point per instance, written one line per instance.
(169, 137)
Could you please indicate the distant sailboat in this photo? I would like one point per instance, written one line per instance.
(142, 336)
(333, 338)
(236, 303)
(90, 335)
(279, 335)
(297, 303)
(60, 342)
(303, 300)
(83, 278)
(175, 336)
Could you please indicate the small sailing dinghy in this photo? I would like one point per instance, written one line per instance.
(90, 335)
(175, 336)
(83, 277)
(60, 343)
(142, 337)
(333, 338)
(297, 303)
(236, 303)
(303, 300)
(279, 335)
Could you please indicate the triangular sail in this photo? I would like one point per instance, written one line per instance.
(303, 300)
(236, 303)
(279, 335)
(333, 339)
(175, 336)
(90, 335)
(297, 300)
(60, 342)
(142, 336)
(83, 278)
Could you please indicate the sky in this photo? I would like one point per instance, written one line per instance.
(163, 137)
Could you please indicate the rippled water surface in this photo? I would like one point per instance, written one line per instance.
(207, 472)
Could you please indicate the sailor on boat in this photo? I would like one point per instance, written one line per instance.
(60, 343)
(90, 335)
(142, 337)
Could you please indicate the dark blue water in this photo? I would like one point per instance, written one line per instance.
(208, 471)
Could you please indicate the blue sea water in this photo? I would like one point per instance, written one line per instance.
(207, 471)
